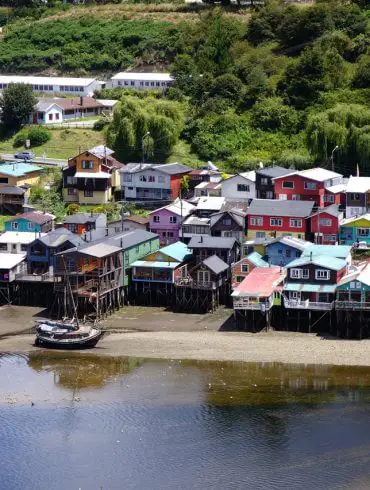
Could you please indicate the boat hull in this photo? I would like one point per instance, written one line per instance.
(49, 343)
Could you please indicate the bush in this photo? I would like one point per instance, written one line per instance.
(73, 208)
(38, 136)
(100, 124)
(20, 140)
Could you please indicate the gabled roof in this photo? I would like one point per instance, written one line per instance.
(291, 242)
(274, 207)
(152, 76)
(338, 188)
(206, 241)
(8, 261)
(34, 217)
(251, 176)
(358, 185)
(82, 218)
(23, 237)
(238, 217)
(274, 171)
(99, 250)
(333, 210)
(178, 251)
(12, 190)
(362, 274)
(347, 221)
(179, 207)
(323, 261)
(18, 169)
(194, 220)
(256, 259)
(337, 251)
(166, 168)
(59, 236)
(210, 203)
(318, 174)
(45, 105)
(141, 220)
(133, 238)
(215, 264)
(260, 282)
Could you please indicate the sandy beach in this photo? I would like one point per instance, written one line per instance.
(156, 333)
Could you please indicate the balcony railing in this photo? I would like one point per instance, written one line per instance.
(352, 305)
(246, 304)
(189, 282)
(24, 276)
(307, 304)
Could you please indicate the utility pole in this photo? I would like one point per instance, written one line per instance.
(332, 157)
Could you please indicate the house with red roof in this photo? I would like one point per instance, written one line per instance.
(319, 185)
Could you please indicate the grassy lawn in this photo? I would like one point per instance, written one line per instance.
(181, 153)
(64, 143)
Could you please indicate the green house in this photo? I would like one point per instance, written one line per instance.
(136, 245)
(353, 291)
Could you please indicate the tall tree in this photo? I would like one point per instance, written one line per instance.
(17, 104)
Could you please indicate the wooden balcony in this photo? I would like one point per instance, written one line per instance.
(352, 305)
(307, 305)
(188, 282)
(46, 277)
(246, 304)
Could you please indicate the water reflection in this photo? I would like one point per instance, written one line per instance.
(75, 370)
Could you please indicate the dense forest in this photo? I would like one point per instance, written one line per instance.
(283, 84)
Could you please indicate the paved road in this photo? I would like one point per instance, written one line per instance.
(41, 160)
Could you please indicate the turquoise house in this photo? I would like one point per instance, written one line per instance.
(353, 291)
(32, 221)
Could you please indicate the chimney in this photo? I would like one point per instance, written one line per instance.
(106, 231)
(310, 256)
(201, 239)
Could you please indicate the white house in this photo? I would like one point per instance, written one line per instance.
(63, 85)
(240, 187)
(53, 110)
(16, 242)
(357, 196)
(151, 182)
(147, 81)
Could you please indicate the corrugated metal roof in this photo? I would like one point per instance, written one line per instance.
(59, 236)
(99, 250)
(82, 218)
(18, 169)
(129, 239)
(156, 265)
(348, 221)
(12, 190)
(257, 260)
(260, 282)
(291, 242)
(215, 264)
(210, 203)
(275, 207)
(153, 76)
(362, 275)
(358, 184)
(310, 288)
(194, 220)
(274, 171)
(83, 82)
(34, 217)
(333, 210)
(92, 175)
(23, 237)
(179, 207)
(177, 250)
(206, 241)
(8, 261)
(337, 251)
(324, 261)
(319, 174)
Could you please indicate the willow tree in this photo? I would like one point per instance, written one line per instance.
(145, 127)
(346, 126)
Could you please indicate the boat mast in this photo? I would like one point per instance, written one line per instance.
(70, 291)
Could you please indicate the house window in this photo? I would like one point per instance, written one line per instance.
(50, 117)
(127, 178)
(355, 197)
(269, 195)
(257, 221)
(72, 191)
(30, 225)
(288, 252)
(161, 179)
(264, 181)
(363, 231)
(142, 178)
(299, 273)
(245, 268)
(15, 225)
(156, 219)
(173, 219)
(243, 188)
(296, 197)
(310, 186)
(240, 279)
(288, 184)
(325, 222)
(226, 221)
(260, 234)
(151, 178)
(322, 274)
(295, 223)
(87, 164)
(88, 193)
(280, 251)
(283, 197)
(56, 116)
(297, 253)
(71, 180)
(203, 276)
(329, 198)
(276, 222)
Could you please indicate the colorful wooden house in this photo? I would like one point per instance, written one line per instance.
(282, 250)
(353, 291)
(34, 221)
(355, 230)
(240, 187)
(325, 225)
(309, 185)
(264, 183)
(81, 223)
(227, 249)
(357, 196)
(343, 252)
(311, 282)
(20, 174)
(229, 224)
(269, 218)
(244, 266)
(166, 222)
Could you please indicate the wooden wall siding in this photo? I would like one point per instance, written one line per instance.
(334, 275)
(236, 270)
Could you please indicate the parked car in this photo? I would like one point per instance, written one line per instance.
(25, 155)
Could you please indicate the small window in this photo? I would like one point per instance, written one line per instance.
(245, 268)
(325, 222)
(310, 186)
(15, 225)
(280, 251)
(295, 223)
(296, 197)
(226, 221)
(276, 222)
(257, 221)
(88, 193)
(156, 219)
(87, 164)
(243, 188)
(30, 225)
(142, 178)
(50, 117)
(240, 279)
(161, 179)
(355, 197)
(56, 116)
(151, 178)
(322, 274)
(264, 181)
(288, 184)
(173, 219)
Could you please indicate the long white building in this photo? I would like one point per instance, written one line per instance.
(52, 85)
(143, 81)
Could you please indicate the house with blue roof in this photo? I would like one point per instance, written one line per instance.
(335, 251)
(162, 266)
(312, 280)
(241, 269)
(20, 174)
(285, 249)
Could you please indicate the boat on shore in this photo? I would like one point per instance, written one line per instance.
(60, 335)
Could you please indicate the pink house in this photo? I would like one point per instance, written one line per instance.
(166, 222)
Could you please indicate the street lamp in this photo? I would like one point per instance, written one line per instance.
(332, 157)
(142, 146)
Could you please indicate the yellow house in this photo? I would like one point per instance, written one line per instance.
(19, 174)
(91, 177)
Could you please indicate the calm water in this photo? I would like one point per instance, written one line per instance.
(117, 423)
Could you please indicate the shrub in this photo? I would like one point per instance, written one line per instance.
(73, 208)
(38, 136)
(100, 124)
(20, 140)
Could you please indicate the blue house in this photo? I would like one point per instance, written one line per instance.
(284, 249)
(31, 221)
(41, 252)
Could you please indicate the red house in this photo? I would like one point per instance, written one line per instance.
(272, 218)
(316, 184)
(325, 225)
